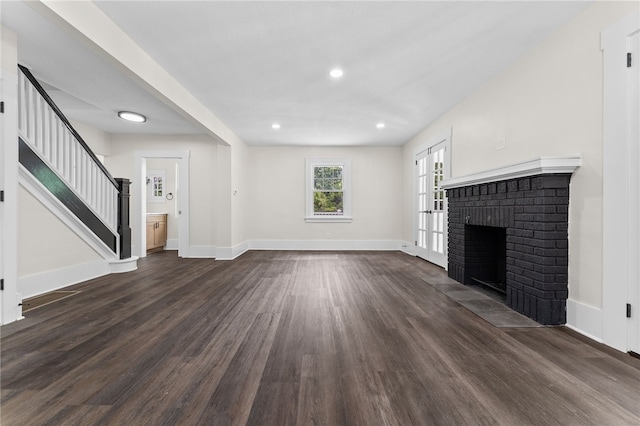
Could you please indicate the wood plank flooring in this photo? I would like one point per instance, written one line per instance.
(297, 338)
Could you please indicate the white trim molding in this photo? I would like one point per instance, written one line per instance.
(584, 319)
(123, 265)
(202, 252)
(231, 253)
(327, 245)
(139, 200)
(10, 298)
(537, 166)
(407, 247)
(44, 282)
(172, 244)
(620, 230)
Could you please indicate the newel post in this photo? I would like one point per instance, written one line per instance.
(124, 228)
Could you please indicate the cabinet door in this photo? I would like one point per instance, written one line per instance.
(161, 234)
(151, 235)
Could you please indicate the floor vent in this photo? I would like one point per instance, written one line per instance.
(45, 299)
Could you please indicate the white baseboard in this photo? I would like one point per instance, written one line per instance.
(337, 245)
(230, 253)
(44, 282)
(408, 248)
(172, 244)
(585, 319)
(123, 265)
(202, 251)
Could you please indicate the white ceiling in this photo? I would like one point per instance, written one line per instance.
(256, 63)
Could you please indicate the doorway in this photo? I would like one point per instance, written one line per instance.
(179, 199)
(432, 167)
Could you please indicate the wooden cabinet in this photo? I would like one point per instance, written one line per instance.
(156, 232)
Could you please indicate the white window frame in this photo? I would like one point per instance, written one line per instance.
(311, 164)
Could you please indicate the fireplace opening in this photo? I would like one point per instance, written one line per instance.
(486, 257)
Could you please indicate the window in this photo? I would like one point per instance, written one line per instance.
(328, 190)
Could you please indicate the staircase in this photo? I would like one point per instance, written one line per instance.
(58, 168)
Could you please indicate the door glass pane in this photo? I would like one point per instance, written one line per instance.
(437, 197)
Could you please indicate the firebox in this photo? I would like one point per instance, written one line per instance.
(486, 257)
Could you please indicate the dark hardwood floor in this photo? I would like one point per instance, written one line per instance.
(283, 338)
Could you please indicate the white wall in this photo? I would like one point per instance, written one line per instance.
(45, 242)
(240, 205)
(275, 182)
(547, 103)
(203, 176)
(98, 141)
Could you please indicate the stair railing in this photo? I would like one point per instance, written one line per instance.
(47, 132)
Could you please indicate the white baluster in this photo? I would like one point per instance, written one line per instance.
(111, 206)
(88, 177)
(100, 197)
(37, 121)
(113, 201)
(74, 162)
(94, 186)
(53, 139)
(58, 144)
(22, 104)
(66, 155)
(30, 115)
(40, 125)
(82, 177)
(47, 139)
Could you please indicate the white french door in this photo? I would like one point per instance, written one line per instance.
(431, 204)
(633, 252)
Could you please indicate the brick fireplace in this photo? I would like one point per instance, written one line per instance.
(508, 229)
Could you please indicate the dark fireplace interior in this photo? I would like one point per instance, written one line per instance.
(486, 254)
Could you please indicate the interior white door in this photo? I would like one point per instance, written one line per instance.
(633, 253)
(431, 203)
(2, 214)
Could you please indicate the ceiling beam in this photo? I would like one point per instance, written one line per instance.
(89, 24)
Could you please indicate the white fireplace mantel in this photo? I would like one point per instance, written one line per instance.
(537, 166)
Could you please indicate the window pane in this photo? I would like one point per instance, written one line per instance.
(335, 184)
(327, 178)
(327, 203)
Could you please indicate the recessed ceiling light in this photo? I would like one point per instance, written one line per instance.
(132, 116)
(336, 73)
(275, 126)
(380, 125)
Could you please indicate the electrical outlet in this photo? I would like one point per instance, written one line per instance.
(502, 144)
